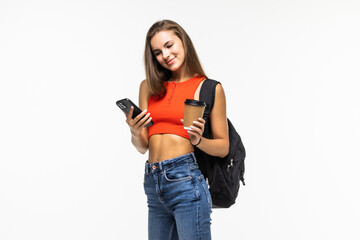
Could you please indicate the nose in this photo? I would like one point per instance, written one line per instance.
(166, 54)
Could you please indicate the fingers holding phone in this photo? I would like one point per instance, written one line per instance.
(139, 122)
(143, 119)
(135, 118)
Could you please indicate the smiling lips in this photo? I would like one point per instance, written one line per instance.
(171, 61)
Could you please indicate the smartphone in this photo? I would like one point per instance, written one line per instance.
(125, 104)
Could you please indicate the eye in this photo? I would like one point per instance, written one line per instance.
(169, 46)
(156, 53)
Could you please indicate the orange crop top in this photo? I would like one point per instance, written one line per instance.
(167, 111)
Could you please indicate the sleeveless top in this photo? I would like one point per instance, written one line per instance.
(167, 111)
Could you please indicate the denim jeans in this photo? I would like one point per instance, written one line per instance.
(179, 200)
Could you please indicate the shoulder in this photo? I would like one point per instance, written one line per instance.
(219, 95)
(219, 88)
(144, 94)
(144, 84)
(144, 88)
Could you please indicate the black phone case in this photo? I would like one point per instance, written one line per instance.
(125, 104)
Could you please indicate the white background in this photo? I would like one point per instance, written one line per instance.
(290, 71)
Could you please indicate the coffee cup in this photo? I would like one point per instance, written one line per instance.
(192, 112)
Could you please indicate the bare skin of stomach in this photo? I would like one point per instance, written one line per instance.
(167, 146)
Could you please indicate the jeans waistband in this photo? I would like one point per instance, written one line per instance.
(160, 166)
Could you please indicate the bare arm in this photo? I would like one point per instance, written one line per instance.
(139, 133)
(219, 145)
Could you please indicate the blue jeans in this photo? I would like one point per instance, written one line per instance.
(178, 199)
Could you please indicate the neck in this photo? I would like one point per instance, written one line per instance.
(180, 76)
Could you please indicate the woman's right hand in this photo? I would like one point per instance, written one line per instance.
(136, 125)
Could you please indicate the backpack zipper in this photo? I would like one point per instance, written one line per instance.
(230, 165)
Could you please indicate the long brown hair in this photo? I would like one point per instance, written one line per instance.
(156, 74)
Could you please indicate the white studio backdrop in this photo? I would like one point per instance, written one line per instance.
(290, 71)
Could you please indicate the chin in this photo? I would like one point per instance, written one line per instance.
(173, 68)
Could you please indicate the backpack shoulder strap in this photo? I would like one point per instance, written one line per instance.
(207, 95)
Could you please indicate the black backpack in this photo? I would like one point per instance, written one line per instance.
(223, 174)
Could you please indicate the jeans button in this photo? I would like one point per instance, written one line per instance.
(154, 167)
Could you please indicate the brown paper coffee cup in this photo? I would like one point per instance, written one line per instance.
(193, 111)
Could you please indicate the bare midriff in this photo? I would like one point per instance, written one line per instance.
(167, 146)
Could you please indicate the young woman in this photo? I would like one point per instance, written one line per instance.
(179, 201)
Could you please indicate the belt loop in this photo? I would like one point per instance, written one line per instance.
(146, 168)
(160, 166)
(193, 155)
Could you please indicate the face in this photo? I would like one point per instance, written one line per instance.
(168, 50)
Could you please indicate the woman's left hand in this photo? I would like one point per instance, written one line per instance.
(197, 130)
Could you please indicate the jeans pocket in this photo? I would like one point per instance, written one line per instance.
(177, 173)
(206, 189)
